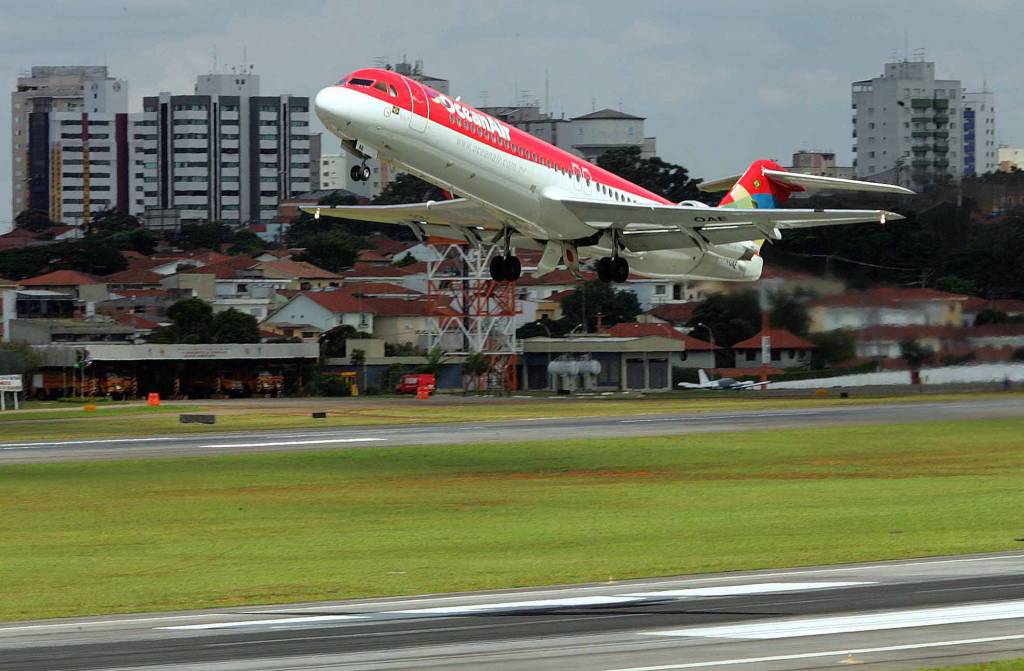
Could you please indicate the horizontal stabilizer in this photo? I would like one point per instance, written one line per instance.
(799, 181)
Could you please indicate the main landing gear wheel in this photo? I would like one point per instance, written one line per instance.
(365, 174)
(612, 269)
(505, 268)
(356, 173)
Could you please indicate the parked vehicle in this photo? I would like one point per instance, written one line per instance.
(410, 383)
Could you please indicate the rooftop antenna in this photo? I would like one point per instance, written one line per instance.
(593, 104)
(214, 59)
(547, 92)
(906, 45)
(485, 98)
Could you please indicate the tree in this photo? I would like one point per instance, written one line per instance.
(332, 251)
(435, 359)
(210, 235)
(406, 188)
(789, 313)
(232, 326)
(34, 220)
(668, 180)
(615, 305)
(832, 348)
(334, 343)
(192, 319)
(90, 255)
(358, 361)
(473, 368)
(914, 353)
(731, 317)
(246, 243)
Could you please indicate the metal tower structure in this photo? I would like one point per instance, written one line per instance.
(473, 313)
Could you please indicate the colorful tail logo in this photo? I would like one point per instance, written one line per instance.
(755, 191)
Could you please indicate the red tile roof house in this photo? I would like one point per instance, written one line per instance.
(787, 350)
(886, 306)
(398, 321)
(991, 342)
(698, 353)
(80, 285)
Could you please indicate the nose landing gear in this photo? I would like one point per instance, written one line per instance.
(359, 173)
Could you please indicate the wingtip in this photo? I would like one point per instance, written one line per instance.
(892, 216)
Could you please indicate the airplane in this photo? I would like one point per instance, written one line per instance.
(721, 384)
(517, 191)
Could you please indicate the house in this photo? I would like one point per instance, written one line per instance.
(134, 278)
(974, 305)
(774, 279)
(673, 314)
(886, 306)
(787, 350)
(698, 353)
(991, 342)
(80, 285)
(300, 274)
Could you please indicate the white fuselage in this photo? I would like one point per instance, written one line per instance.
(523, 193)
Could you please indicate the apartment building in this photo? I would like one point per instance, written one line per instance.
(224, 153)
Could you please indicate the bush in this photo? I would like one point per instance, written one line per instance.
(332, 385)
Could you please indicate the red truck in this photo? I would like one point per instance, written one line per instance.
(410, 384)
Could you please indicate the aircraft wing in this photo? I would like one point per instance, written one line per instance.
(648, 227)
(748, 385)
(458, 218)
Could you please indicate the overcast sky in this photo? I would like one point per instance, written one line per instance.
(721, 83)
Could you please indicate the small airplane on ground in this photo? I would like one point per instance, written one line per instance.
(517, 191)
(721, 384)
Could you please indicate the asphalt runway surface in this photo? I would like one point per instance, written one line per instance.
(890, 615)
(539, 428)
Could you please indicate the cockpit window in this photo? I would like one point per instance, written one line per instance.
(381, 86)
(392, 90)
(358, 81)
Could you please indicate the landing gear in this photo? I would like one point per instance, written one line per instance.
(359, 173)
(506, 268)
(612, 269)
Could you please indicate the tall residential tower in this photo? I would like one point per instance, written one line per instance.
(907, 126)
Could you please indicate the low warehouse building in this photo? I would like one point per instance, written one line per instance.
(627, 363)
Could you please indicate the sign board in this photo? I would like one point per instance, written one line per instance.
(10, 383)
(766, 350)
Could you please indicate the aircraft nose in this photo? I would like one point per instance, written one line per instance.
(334, 108)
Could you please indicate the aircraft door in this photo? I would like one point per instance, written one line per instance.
(420, 107)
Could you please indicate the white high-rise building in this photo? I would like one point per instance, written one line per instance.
(225, 153)
(981, 152)
(64, 134)
(907, 126)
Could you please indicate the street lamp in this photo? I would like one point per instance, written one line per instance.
(711, 339)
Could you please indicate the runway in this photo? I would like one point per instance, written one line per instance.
(888, 615)
(540, 428)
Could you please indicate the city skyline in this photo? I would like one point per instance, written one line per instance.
(686, 69)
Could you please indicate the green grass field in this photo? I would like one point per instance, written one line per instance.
(253, 415)
(1005, 665)
(106, 537)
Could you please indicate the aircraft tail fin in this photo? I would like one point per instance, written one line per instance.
(703, 377)
(766, 184)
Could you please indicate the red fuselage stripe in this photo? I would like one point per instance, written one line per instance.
(532, 149)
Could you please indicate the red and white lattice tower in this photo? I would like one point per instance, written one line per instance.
(473, 313)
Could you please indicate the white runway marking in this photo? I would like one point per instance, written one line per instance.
(823, 626)
(756, 588)
(67, 443)
(516, 605)
(826, 653)
(283, 443)
(310, 619)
